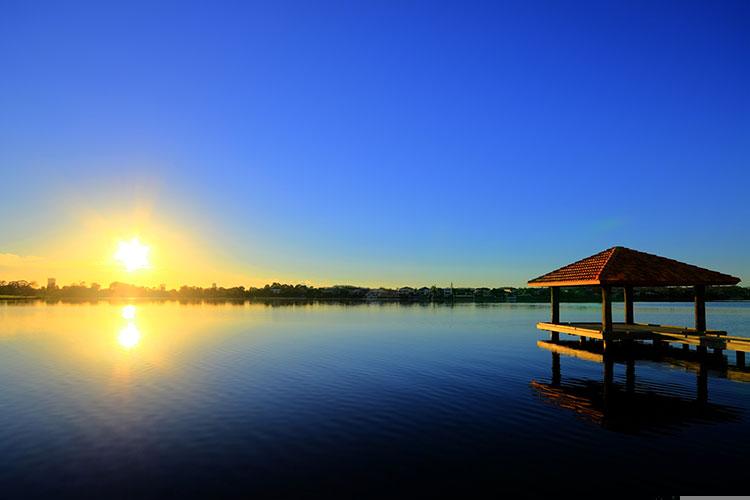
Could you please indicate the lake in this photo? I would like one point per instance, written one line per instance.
(289, 400)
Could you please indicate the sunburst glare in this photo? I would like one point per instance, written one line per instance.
(133, 255)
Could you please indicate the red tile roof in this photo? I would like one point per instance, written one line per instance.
(620, 266)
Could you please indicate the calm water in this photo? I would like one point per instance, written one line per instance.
(302, 400)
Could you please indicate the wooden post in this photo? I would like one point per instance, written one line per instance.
(555, 336)
(740, 359)
(606, 309)
(700, 308)
(628, 295)
(554, 295)
(686, 347)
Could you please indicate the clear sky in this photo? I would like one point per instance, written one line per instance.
(372, 143)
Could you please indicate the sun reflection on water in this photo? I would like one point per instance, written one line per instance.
(129, 335)
(128, 312)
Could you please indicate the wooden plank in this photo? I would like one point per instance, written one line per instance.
(570, 330)
(713, 339)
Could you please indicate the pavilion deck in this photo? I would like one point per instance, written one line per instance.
(714, 339)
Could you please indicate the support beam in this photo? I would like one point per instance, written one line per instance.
(629, 314)
(606, 308)
(554, 295)
(555, 336)
(700, 308)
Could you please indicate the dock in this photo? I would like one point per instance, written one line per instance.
(628, 269)
(710, 339)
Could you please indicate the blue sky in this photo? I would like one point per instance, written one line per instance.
(482, 143)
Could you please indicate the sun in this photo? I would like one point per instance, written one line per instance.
(133, 255)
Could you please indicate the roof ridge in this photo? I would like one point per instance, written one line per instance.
(612, 251)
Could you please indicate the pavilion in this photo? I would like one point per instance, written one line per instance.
(626, 268)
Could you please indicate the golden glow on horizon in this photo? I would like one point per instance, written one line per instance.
(133, 255)
(135, 247)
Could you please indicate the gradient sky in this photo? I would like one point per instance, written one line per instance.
(381, 143)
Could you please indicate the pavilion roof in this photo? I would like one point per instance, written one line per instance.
(620, 266)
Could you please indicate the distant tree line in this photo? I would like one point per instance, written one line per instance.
(82, 291)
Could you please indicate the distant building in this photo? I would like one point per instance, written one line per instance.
(51, 284)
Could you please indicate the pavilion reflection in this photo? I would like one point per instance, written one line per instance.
(626, 408)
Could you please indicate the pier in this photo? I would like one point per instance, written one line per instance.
(627, 268)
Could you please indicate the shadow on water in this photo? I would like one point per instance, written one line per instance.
(630, 408)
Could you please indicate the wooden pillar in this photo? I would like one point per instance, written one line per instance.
(628, 297)
(685, 347)
(555, 336)
(606, 308)
(740, 359)
(700, 308)
(554, 295)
